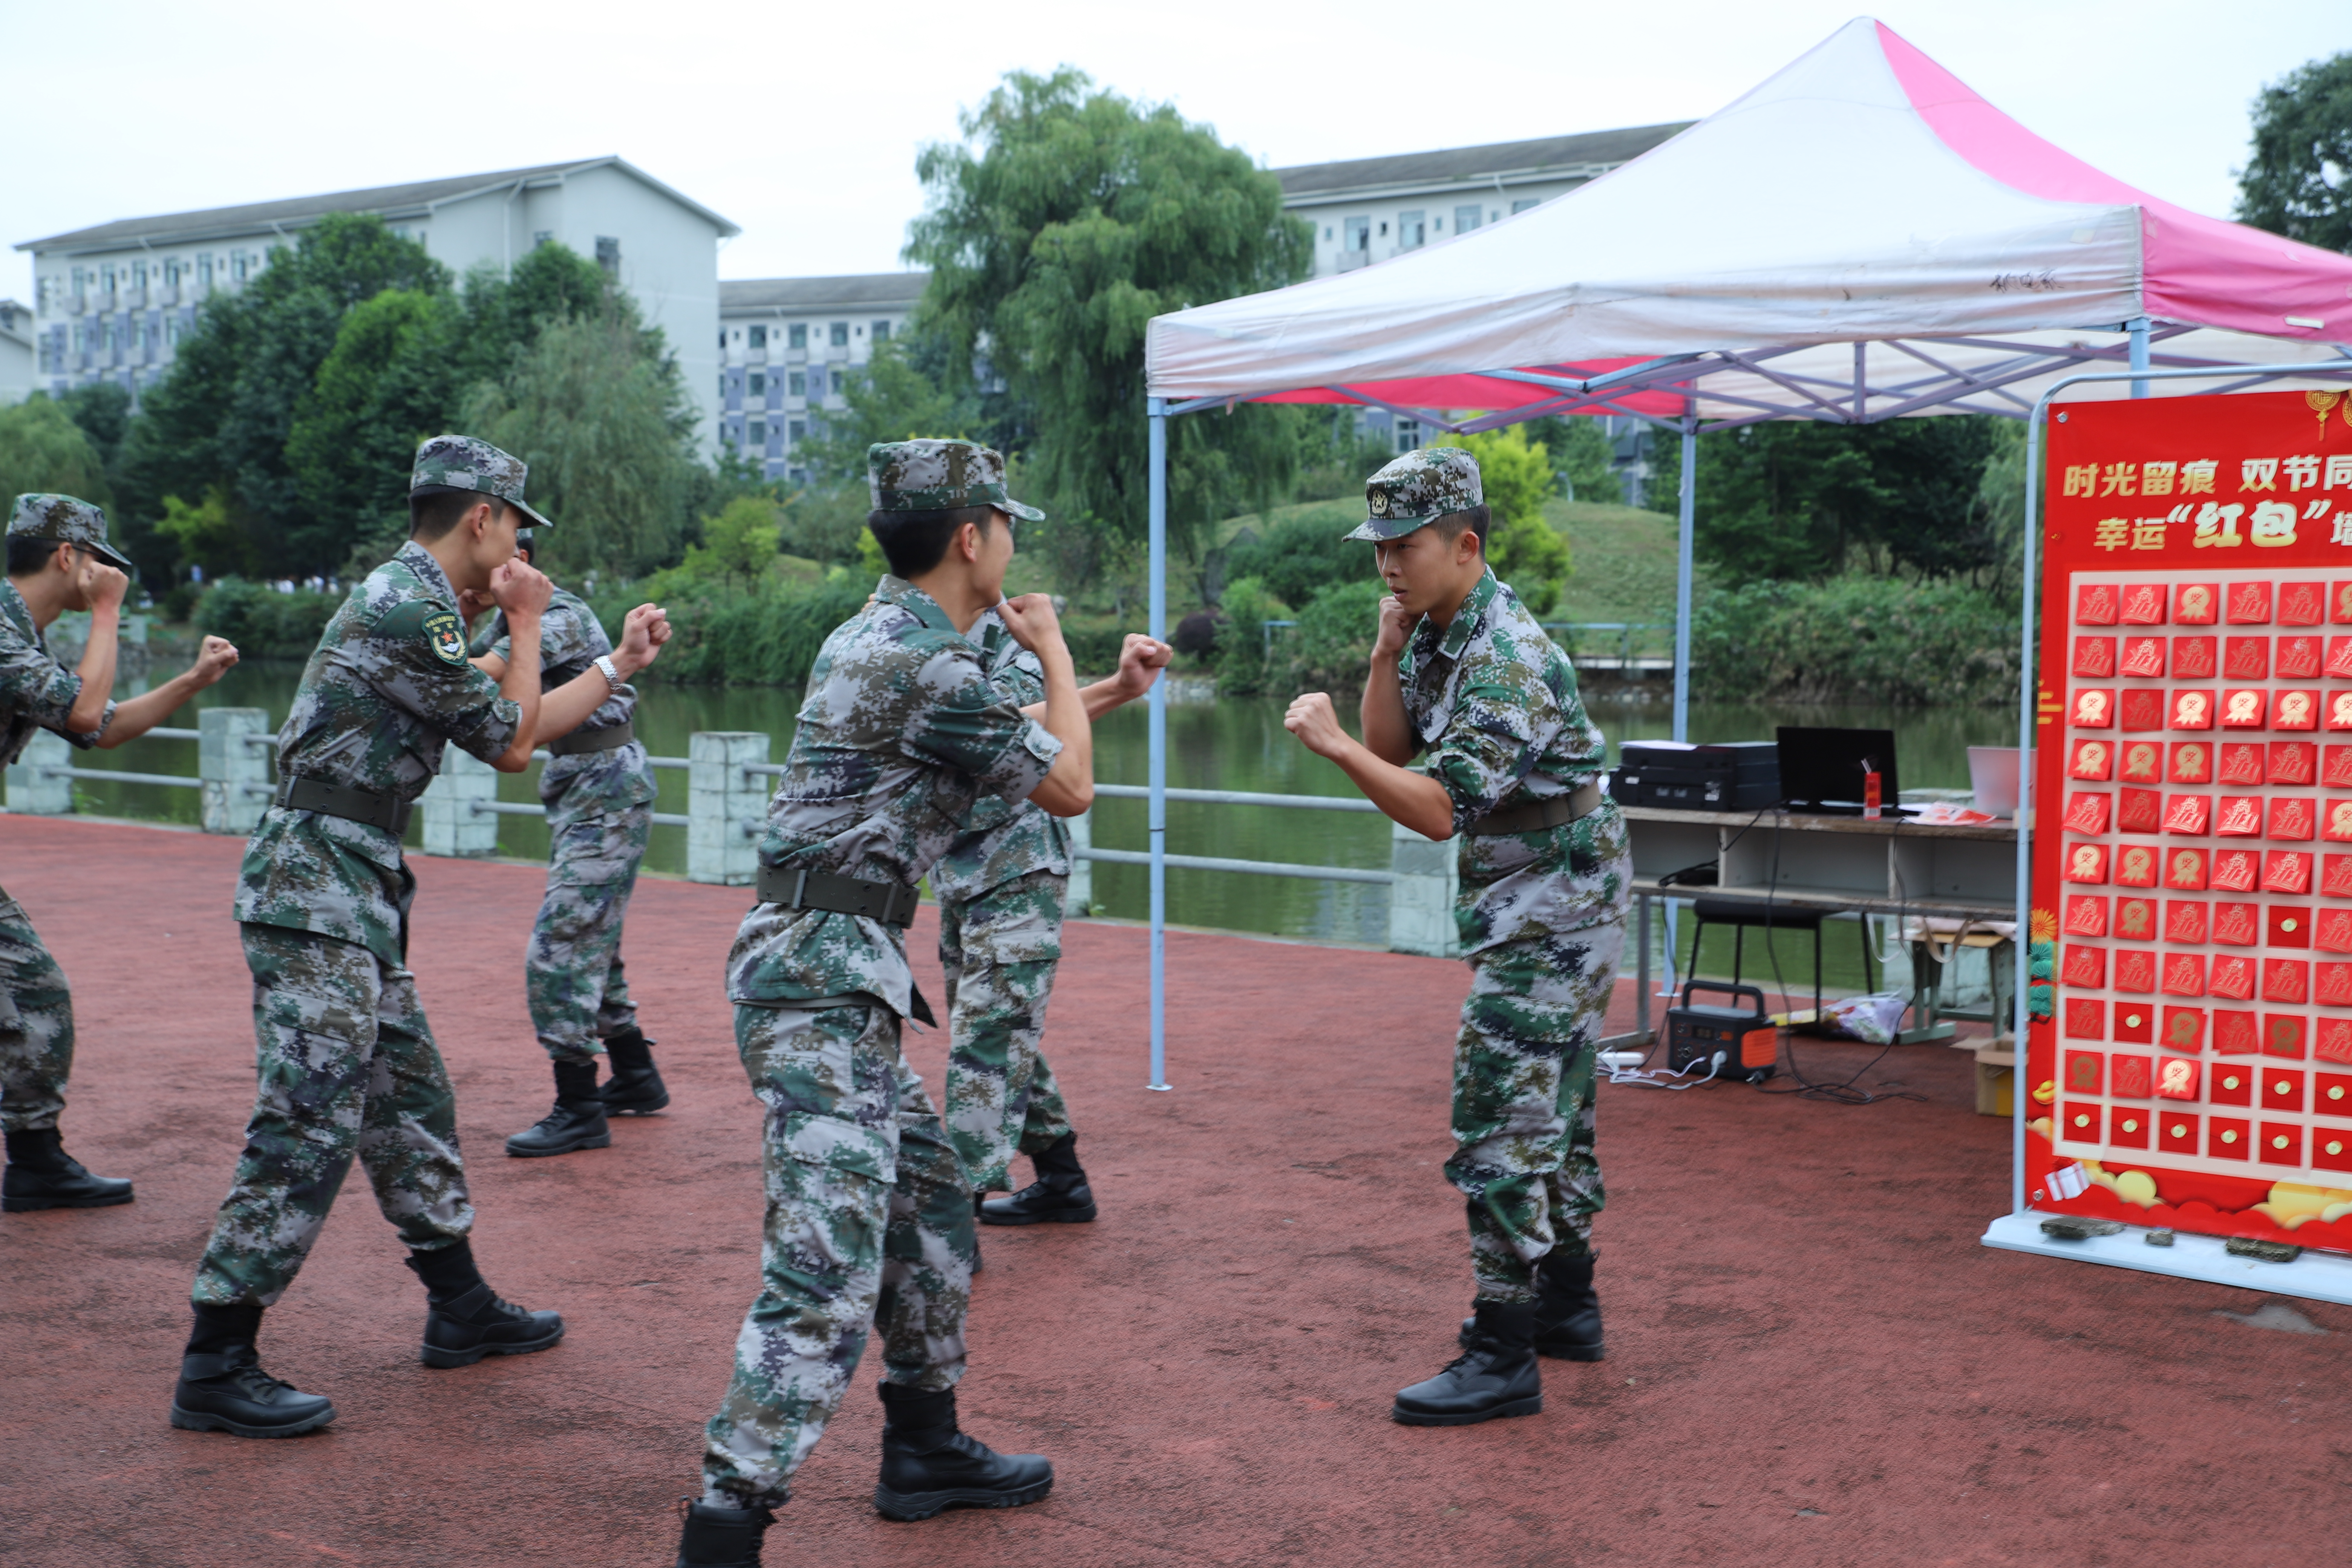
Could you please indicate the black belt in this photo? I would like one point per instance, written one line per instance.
(388, 812)
(1534, 816)
(610, 738)
(892, 903)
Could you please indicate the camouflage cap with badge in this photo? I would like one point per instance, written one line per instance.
(1418, 489)
(66, 521)
(462, 463)
(938, 475)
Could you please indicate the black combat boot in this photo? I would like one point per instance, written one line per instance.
(464, 1321)
(42, 1175)
(1568, 1310)
(1059, 1194)
(927, 1464)
(1496, 1375)
(635, 1087)
(721, 1537)
(576, 1122)
(223, 1388)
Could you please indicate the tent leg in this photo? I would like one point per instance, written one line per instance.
(2138, 327)
(1684, 567)
(1157, 821)
(2018, 1080)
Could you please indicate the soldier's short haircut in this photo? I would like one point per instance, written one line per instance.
(435, 509)
(1454, 524)
(915, 541)
(26, 556)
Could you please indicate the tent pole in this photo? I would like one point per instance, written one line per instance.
(1682, 569)
(2021, 949)
(1157, 821)
(2138, 327)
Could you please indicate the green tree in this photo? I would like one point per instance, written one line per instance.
(42, 449)
(1581, 454)
(1524, 549)
(388, 383)
(2299, 181)
(207, 536)
(102, 409)
(738, 545)
(596, 408)
(893, 400)
(1068, 219)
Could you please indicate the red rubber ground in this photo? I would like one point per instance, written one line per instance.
(1812, 1360)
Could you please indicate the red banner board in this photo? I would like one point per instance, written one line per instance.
(2191, 995)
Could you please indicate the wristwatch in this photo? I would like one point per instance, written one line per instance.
(612, 672)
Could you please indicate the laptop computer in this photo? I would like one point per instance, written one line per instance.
(1821, 769)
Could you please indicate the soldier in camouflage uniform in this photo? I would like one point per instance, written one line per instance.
(1002, 887)
(1461, 670)
(58, 560)
(599, 791)
(868, 1208)
(346, 1064)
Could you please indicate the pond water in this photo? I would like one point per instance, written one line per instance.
(1236, 743)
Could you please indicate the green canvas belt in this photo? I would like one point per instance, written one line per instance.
(1534, 816)
(610, 738)
(373, 807)
(892, 903)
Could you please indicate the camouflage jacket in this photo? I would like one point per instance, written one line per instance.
(1495, 703)
(586, 784)
(1002, 839)
(36, 692)
(901, 735)
(387, 686)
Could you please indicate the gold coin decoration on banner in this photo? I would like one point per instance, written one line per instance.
(2323, 402)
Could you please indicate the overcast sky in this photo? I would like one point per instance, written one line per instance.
(801, 121)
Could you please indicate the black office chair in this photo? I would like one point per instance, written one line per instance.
(1741, 917)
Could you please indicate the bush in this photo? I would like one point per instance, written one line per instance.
(1240, 656)
(1298, 556)
(1855, 639)
(1333, 643)
(731, 637)
(263, 622)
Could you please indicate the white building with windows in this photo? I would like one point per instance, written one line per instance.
(17, 358)
(113, 302)
(789, 349)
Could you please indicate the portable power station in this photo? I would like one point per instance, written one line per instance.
(1749, 1040)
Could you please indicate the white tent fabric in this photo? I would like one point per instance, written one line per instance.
(1860, 195)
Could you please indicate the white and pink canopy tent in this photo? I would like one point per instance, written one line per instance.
(1859, 239)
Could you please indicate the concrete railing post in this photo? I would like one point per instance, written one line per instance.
(234, 767)
(1420, 900)
(33, 792)
(1079, 902)
(452, 825)
(725, 804)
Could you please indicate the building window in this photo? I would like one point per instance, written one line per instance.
(798, 431)
(841, 334)
(722, 340)
(759, 337)
(236, 266)
(539, 236)
(139, 275)
(1467, 218)
(1522, 204)
(881, 332)
(799, 336)
(757, 438)
(796, 383)
(1408, 435)
(722, 386)
(759, 381)
(1411, 232)
(844, 378)
(608, 252)
(816, 384)
(204, 272)
(1327, 231)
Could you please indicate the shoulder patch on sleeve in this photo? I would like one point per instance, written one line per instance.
(422, 620)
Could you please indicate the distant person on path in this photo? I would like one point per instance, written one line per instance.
(868, 1207)
(1461, 670)
(1002, 887)
(599, 791)
(58, 560)
(346, 1064)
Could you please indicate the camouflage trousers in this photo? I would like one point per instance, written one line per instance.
(1523, 1083)
(37, 1030)
(869, 1220)
(572, 973)
(999, 951)
(347, 1068)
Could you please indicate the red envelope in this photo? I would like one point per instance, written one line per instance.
(2184, 870)
(2176, 1131)
(2143, 761)
(2340, 660)
(2339, 599)
(2193, 762)
(2239, 816)
(2127, 1077)
(2127, 1127)
(2134, 970)
(2336, 822)
(2085, 863)
(2142, 604)
(2334, 1045)
(2095, 657)
(2296, 708)
(2250, 603)
(2243, 708)
(2140, 811)
(2292, 763)
(2280, 1143)
(2287, 925)
(2246, 659)
(2302, 604)
(2086, 811)
(2233, 977)
(2237, 871)
(2286, 980)
(2229, 1138)
(2192, 710)
(2334, 984)
(2299, 659)
(2085, 967)
(2094, 709)
(2286, 871)
(2136, 865)
(2192, 658)
(2335, 879)
(2184, 920)
(2190, 815)
(2235, 1035)
(2331, 930)
(2291, 817)
(2086, 1019)
(2136, 919)
(2335, 767)
(2184, 1029)
(2086, 915)
(2094, 760)
(2238, 763)
(2237, 925)
(2133, 1021)
(2095, 604)
(2197, 604)
(2086, 1072)
(2142, 659)
(2079, 1122)
(2184, 975)
(2232, 1083)
(2282, 1036)
(2176, 1078)
(2339, 711)
(2143, 709)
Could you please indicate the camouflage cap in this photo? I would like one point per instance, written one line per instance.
(1418, 487)
(932, 476)
(67, 521)
(463, 463)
